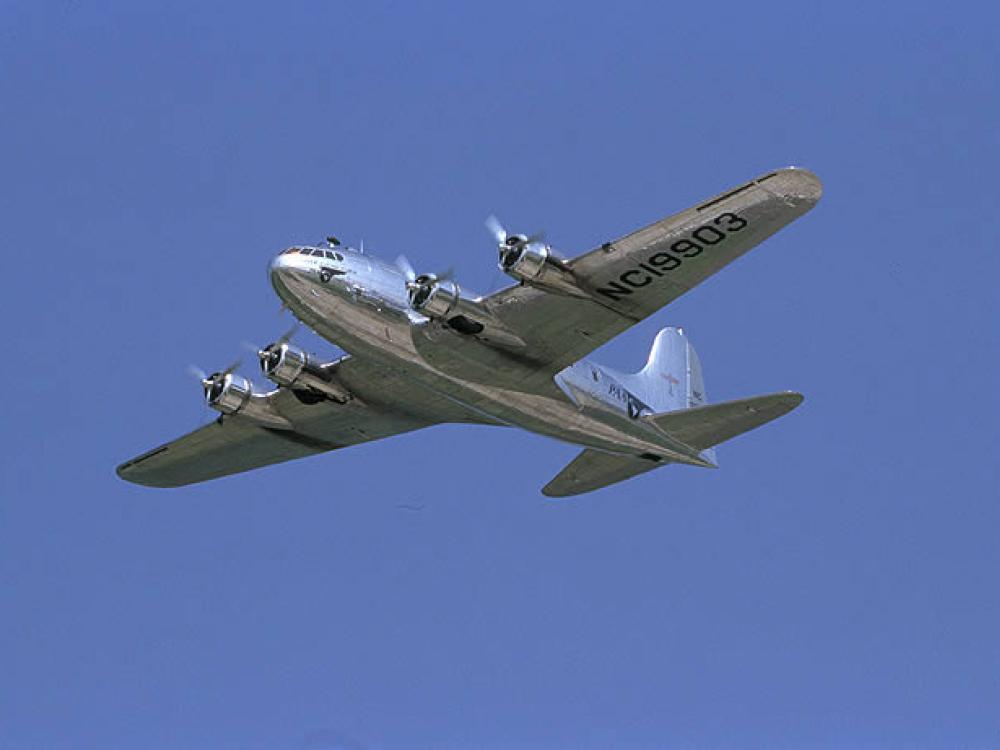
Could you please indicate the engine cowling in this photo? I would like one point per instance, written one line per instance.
(433, 297)
(533, 262)
(524, 260)
(289, 366)
(229, 393)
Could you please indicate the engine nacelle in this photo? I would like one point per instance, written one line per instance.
(534, 263)
(289, 366)
(229, 393)
(443, 301)
(525, 262)
(433, 298)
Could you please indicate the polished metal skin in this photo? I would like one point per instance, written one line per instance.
(528, 263)
(423, 351)
(433, 298)
(287, 365)
(229, 394)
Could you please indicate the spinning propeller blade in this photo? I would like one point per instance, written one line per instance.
(496, 228)
(407, 270)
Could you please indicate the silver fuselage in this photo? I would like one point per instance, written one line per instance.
(360, 303)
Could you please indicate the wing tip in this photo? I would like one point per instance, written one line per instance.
(797, 184)
(131, 472)
(784, 401)
(556, 493)
(792, 398)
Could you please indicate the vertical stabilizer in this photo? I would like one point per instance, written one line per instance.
(672, 378)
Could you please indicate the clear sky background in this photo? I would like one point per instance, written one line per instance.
(833, 585)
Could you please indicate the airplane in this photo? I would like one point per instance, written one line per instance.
(423, 351)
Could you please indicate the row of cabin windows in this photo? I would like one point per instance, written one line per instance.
(317, 253)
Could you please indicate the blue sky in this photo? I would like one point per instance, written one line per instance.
(834, 584)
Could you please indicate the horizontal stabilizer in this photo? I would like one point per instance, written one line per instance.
(592, 470)
(705, 426)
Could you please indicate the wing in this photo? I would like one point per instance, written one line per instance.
(591, 470)
(628, 279)
(385, 404)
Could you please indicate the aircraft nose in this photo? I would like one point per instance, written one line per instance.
(275, 268)
(283, 264)
(280, 272)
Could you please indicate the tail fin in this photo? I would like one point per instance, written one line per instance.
(672, 376)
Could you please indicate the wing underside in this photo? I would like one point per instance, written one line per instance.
(385, 405)
(235, 444)
(628, 279)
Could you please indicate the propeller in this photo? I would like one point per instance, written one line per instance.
(406, 269)
(420, 286)
(214, 383)
(196, 372)
(510, 245)
(495, 228)
(271, 354)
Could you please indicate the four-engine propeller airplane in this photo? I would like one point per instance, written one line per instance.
(422, 351)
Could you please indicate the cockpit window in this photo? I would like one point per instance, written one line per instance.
(314, 252)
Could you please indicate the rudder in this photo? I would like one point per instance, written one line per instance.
(672, 378)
